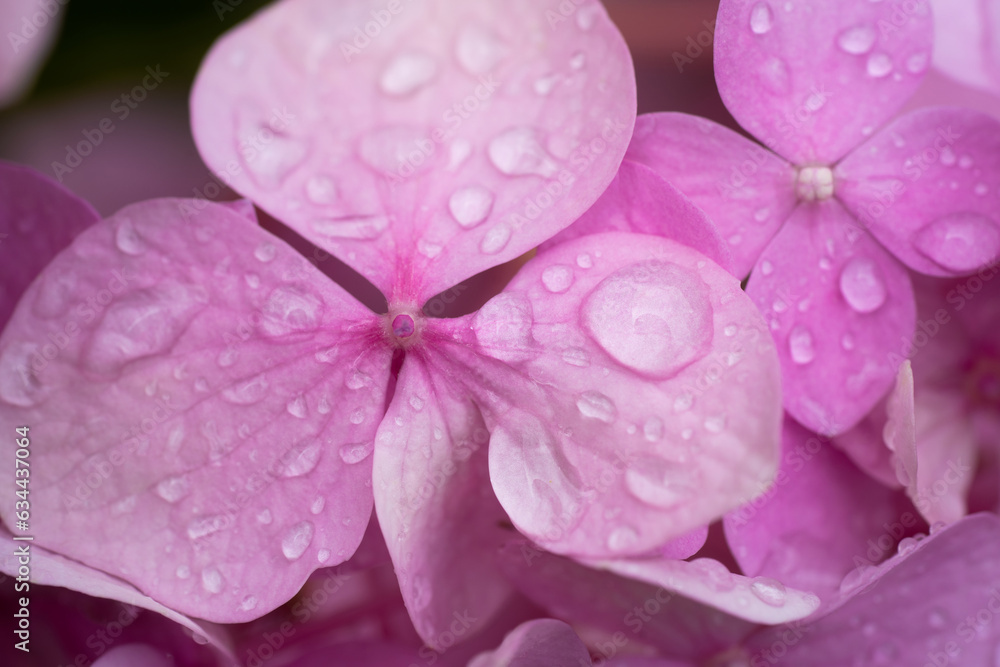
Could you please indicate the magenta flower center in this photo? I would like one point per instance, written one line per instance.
(403, 326)
(815, 183)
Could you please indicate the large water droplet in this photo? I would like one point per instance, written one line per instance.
(471, 205)
(211, 580)
(19, 385)
(769, 591)
(761, 18)
(879, 65)
(128, 240)
(207, 525)
(356, 453)
(249, 392)
(655, 320)
(407, 72)
(622, 538)
(479, 50)
(290, 309)
(801, 346)
(596, 405)
(656, 492)
(265, 252)
(353, 227)
(558, 278)
(496, 239)
(857, 40)
(297, 540)
(299, 460)
(173, 489)
(862, 285)
(960, 242)
(503, 327)
(517, 152)
(297, 407)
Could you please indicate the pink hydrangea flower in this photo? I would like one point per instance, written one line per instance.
(220, 418)
(829, 219)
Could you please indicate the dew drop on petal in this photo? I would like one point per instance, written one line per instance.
(766, 268)
(128, 240)
(584, 261)
(761, 18)
(719, 577)
(211, 580)
(249, 603)
(857, 40)
(183, 572)
(407, 72)
(173, 489)
(595, 405)
(321, 190)
(652, 430)
(683, 402)
(960, 242)
(769, 591)
(576, 357)
(862, 286)
(290, 309)
(356, 453)
(557, 278)
(479, 50)
(19, 385)
(299, 460)
(247, 392)
(471, 205)
(801, 346)
(622, 538)
(265, 252)
(357, 417)
(715, 424)
(517, 152)
(495, 240)
(416, 403)
(297, 407)
(879, 65)
(264, 517)
(544, 85)
(297, 540)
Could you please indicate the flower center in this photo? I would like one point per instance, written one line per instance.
(815, 183)
(982, 383)
(402, 326)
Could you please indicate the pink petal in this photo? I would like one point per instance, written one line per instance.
(811, 80)
(190, 416)
(635, 661)
(746, 190)
(807, 529)
(675, 624)
(51, 569)
(632, 396)
(685, 546)
(639, 200)
(842, 313)
(29, 30)
(965, 47)
(916, 609)
(865, 446)
(38, 219)
(542, 643)
(927, 187)
(432, 488)
(456, 137)
(131, 655)
(900, 427)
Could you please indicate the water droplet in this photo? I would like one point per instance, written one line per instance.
(207, 525)
(884, 654)
(917, 63)
(495, 240)
(857, 40)
(584, 261)
(517, 152)
(683, 402)
(247, 393)
(595, 405)
(544, 85)
(416, 403)
(357, 379)
(879, 65)
(557, 278)
(775, 76)
(264, 517)
(906, 545)
(655, 322)
(297, 540)
(407, 72)
(731, 330)
(354, 227)
(128, 240)
(656, 491)
(479, 50)
(173, 489)
(652, 430)
(19, 385)
(290, 309)
(761, 18)
(762, 215)
(183, 572)
(323, 555)
(299, 460)
(578, 60)
(297, 407)
(249, 603)
(321, 190)
(622, 538)
(576, 357)
(769, 591)
(471, 205)
(318, 505)
(766, 268)
(862, 286)
(715, 424)
(358, 416)
(356, 453)
(961, 242)
(265, 252)
(800, 345)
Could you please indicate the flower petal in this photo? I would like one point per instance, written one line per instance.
(545, 642)
(129, 655)
(431, 481)
(639, 200)
(30, 30)
(38, 219)
(928, 188)
(452, 137)
(746, 190)
(807, 529)
(811, 80)
(842, 313)
(189, 407)
(915, 609)
(632, 395)
(965, 41)
(865, 446)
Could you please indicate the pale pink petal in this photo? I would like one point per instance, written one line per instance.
(542, 643)
(807, 529)
(812, 80)
(921, 608)
(684, 546)
(841, 311)
(131, 655)
(965, 41)
(440, 519)
(680, 627)
(189, 383)
(38, 218)
(746, 190)
(631, 392)
(928, 188)
(50, 569)
(899, 433)
(865, 446)
(29, 29)
(457, 136)
(639, 200)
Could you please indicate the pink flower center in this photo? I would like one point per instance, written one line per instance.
(815, 183)
(402, 326)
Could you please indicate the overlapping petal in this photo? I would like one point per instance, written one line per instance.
(745, 189)
(190, 385)
(542, 643)
(928, 188)
(842, 312)
(420, 143)
(811, 80)
(38, 219)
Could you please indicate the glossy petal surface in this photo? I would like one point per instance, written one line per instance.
(195, 417)
(460, 136)
(812, 80)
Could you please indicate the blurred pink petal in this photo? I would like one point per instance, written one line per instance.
(542, 643)
(29, 29)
